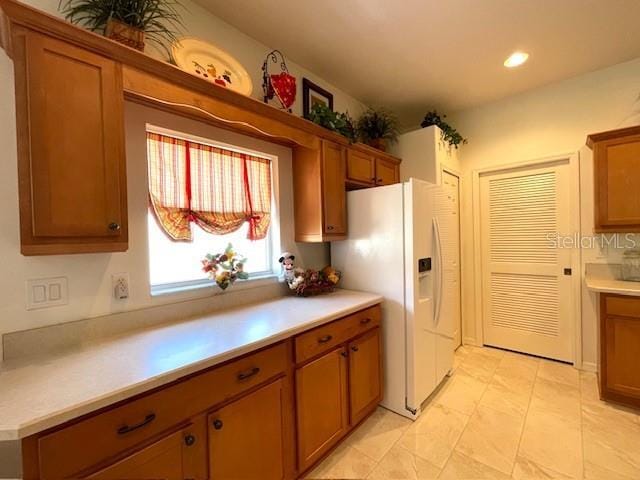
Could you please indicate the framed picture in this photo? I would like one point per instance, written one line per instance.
(313, 94)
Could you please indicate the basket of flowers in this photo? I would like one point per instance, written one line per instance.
(307, 283)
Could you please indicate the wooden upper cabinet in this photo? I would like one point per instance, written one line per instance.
(361, 168)
(365, 387)
(387, 172)
(248, 439)
(333, 189)
(616, 180)
(322, 405)
(320, 193)
(175, 456)
(71, 155)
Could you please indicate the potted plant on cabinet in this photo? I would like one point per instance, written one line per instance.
(378, 127)
(341, 123)
(129, 22)
(449, 134)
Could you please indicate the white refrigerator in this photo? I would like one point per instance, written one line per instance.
(395, 249)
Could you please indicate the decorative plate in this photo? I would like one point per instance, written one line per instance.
(207, 61)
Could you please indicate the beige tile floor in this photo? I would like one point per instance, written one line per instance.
(501, 415)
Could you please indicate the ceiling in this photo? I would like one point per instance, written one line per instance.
(415, 55)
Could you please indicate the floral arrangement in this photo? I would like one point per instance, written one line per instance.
(313, 282)
(225, 268)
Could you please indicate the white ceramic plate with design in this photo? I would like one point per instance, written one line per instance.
(211, 63)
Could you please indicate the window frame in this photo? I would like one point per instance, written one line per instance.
(255, 278)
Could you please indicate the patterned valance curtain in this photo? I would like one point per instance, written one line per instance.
(215, 188)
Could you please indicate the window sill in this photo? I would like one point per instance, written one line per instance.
(239, 285)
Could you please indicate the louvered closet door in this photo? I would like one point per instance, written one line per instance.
(527, 299)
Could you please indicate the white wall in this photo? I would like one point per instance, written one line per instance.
(544, 122)
(90, 275)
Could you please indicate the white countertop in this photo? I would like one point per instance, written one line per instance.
(40, 393)
(609, 285)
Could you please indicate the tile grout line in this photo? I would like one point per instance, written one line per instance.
(526, 414)
(466, 425)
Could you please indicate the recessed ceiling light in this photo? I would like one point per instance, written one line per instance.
(516, 59)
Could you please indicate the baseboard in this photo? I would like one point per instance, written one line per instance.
(470, 341)
(589, 367)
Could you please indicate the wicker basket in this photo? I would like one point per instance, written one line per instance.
(125, 34)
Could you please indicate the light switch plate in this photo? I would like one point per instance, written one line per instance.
(47, 292)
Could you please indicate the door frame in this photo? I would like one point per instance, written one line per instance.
(573, 160)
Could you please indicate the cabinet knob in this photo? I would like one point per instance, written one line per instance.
(114, 227)
(344, 354)
(217, 424)
(379, 180)
(355, 348)
(189, 440)
(329, 227)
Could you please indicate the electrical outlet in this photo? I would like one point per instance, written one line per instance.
(120, 286)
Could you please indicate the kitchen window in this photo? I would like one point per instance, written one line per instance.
(203, 196)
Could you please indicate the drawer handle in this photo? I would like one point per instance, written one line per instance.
(355, 348)
(364, 321)
(127, 429)
(325, 339)
(248, 373)
(189, 440)
(217, 424)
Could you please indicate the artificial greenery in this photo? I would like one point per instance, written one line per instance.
(378, 124)
(159, 19)
(341, 123)
(449, 134)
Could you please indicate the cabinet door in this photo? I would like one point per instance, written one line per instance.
(333, 189)
(321, 393)
(387, 172)
(361, 168)
(247, 438)
(617, 172)
(71, 143)
(364, 375)
(176, 456)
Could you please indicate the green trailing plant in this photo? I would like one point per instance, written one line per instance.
(341, 123)
(378, 124)
(159, 19)
(449, 134)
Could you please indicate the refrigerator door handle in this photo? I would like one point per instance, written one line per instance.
(436, 231)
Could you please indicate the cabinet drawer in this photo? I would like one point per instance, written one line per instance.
(326, 337)
(89, 442)
(623, 306)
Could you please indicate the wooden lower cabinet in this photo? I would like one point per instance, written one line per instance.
(322, 402)
(620, 349)
(176, 456)
(340, 386)
(365, 388)
(236, 421)
(248, 438)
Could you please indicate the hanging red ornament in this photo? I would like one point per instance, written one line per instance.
(281, 85)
